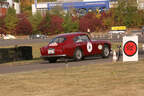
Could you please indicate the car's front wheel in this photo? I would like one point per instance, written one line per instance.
(106, 51)
(78, 55)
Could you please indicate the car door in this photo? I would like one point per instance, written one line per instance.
(85, 44)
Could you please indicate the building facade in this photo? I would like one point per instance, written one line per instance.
(3, 8)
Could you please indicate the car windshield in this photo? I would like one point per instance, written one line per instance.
(57, 40)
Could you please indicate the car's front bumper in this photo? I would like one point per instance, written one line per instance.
(51, 56)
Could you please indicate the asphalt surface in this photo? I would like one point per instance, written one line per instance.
(42, 65)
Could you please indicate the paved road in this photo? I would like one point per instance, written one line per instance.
(46, 65)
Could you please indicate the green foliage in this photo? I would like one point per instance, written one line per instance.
(45, 24)
(127, 14)
(35, 20)
(57, 10)
(69, 24)
(2, 25)
(23, 27)
(139, 18)
(16, 0)
(47, 20)
(26, 10)
(11, 20)
(57, 21)
(120, 12)
(2, 0)
(129, 17)
(46, 0)
(108, 18)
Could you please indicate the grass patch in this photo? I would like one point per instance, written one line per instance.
(121, 79)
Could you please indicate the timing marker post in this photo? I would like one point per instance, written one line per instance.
(130, 48)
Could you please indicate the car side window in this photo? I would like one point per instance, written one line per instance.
(77, 39)
(61, 39)
(82, 38)
(58, 40)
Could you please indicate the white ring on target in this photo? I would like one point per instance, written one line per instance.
(89, 47)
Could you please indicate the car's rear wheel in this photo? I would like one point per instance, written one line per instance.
(78, 55)
(106, 51)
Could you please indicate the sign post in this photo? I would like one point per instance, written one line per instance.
(130, 48)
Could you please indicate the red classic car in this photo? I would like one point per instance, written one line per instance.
(74, 45)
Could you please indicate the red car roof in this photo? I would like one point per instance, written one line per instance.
(72, 34)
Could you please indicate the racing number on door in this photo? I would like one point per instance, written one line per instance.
(89, 47)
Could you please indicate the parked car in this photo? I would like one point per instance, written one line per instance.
(74, 45)
(37, 36)
(8, 36)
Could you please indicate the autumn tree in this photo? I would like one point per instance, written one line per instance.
(35, 20)
(70, 24)
(2, 26)
(44, 25)
(11, 21)
(23, 27)
(92, 22)
(127, 13)
(51, 24)
(2, 0)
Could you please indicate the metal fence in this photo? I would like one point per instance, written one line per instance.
(116, 37)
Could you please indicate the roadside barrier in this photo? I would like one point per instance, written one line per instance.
(26, 52)
(15, 54)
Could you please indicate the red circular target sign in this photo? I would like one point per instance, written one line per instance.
(130, 48)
